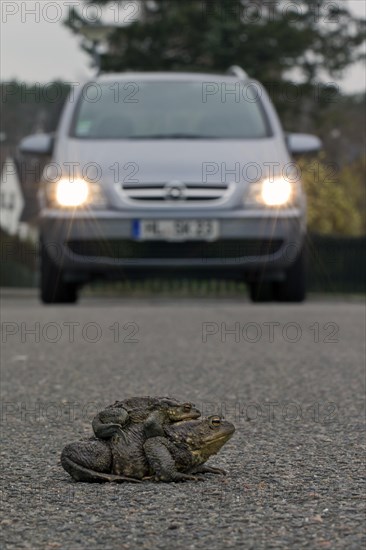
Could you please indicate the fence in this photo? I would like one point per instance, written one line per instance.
(336, 264)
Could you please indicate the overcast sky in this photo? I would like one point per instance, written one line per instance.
(37, 47)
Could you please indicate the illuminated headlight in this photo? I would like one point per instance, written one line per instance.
(78, 193)
(277, 192)
(72, 193)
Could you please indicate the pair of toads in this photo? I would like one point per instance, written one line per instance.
(143, 438)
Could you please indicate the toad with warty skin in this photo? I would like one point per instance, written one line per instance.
(149, 450)
(117, 417)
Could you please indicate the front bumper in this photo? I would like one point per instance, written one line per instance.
(102, 242)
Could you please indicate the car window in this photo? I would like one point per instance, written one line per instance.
(169, 110)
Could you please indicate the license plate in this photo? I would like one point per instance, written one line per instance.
(176, 230)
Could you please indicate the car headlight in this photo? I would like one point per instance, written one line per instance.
(78, 193)
(72, 193)
(276, 193)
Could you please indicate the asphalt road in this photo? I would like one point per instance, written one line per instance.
(291, 378)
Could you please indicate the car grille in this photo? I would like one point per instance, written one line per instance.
(129, 249)
(175, 192)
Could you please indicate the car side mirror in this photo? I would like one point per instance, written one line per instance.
(299, 144)
(37, 144)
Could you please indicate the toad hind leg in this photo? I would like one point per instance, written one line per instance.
(90, 461)
(79, 473)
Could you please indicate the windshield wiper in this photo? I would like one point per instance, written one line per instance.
(174, 136)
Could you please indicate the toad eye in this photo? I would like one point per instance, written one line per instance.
(187, 407)
(215, 421)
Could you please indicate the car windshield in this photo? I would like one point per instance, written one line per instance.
(169, 110)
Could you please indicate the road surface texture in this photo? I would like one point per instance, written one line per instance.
(291, 378)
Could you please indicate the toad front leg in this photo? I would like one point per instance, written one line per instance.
(109, 422)
(162, 462)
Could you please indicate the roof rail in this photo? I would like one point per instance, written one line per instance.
(235, 70)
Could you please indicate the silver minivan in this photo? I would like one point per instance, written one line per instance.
(172, 174)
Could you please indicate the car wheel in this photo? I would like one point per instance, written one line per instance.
(54, 290)
(293, 288)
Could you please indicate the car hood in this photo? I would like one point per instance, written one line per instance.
(206, 161)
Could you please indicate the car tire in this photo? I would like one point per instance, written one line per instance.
(293, 287)
(53, 288)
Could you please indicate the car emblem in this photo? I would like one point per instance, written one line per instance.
(175, 191)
